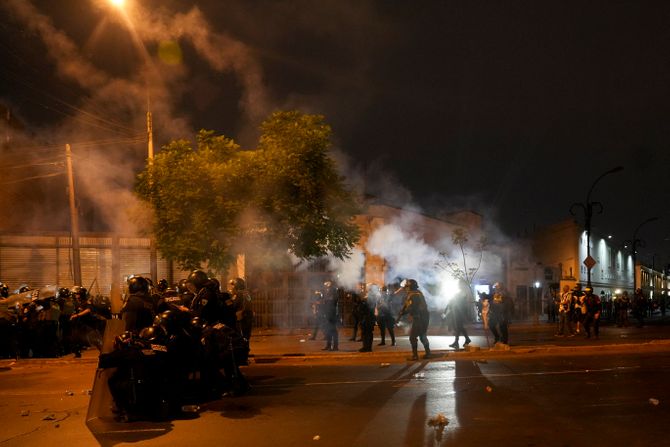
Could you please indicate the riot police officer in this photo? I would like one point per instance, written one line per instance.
(500, 314)
(330, 307)
(206, 302)
(415, 306)
(138, 311)
(244, 315)
(366, 317)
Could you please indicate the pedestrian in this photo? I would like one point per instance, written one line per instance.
(593, 306)
(623, 305)
(384, 314)
(639, 306)
(564, 317)
(415, 306)
(331, 313)
(578, 309)
(500, 314)
(485, 305)
(457, 309)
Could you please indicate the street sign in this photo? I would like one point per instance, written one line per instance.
(589, 262)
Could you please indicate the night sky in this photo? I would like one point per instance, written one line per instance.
(511, 108)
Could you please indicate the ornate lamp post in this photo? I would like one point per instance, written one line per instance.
(588, 207)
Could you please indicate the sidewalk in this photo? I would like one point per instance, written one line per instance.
(275, 344)
(271, 345)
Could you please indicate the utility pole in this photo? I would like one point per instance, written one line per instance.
(74, 220)
(153, 256)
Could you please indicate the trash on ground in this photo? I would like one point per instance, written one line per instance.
(438, 422)
(49, 417)
(316, 438)
(489, 389)
(69, 393)
(384, 365)
(419, 375)
(653, 401)
(25, 412)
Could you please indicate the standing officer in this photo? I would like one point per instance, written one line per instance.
(500, 313)
(331, 311)
(244, 313)
(366, 317)
(385, 319)
(459, 308)
(138, 311)
(415, 306)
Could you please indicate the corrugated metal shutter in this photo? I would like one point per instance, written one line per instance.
(28, 265)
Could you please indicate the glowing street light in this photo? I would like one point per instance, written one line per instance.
(118, 3)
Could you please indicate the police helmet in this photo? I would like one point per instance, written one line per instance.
(123, 340)
(162, 285)
(4, 290)
(153, 334)
(181, 286)
(411, 284)
(588, 289)
(215, 283)
(237, 284)
(63, 292)
(198, 278)
(138, 284)
(327, 283)
(79, 290)
(24, 288)
(167, 320)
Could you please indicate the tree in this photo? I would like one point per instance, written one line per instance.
(207, 201)
(459, 269)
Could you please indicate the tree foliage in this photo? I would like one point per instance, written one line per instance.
(208, 200)
(458, 265)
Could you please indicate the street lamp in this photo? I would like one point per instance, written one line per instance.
(588, 207)
(635, 242)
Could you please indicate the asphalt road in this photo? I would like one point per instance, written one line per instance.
(565, 398)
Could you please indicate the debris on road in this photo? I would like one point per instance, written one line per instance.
(653, 401)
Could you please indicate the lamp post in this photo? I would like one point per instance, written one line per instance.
(588, 207)
(635, 242)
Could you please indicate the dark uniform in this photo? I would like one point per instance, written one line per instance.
(500, 314)
(385, 319)
(366, 317)
(330, 307)
(138, 312)
(415, 306)
(593, 310)
(457, 309)
(244, 314)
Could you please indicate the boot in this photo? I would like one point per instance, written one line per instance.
(427, 355)
(415, 354)
(454, 344)
(467, 341)
(327, 348)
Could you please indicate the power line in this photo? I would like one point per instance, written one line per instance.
(32, 178)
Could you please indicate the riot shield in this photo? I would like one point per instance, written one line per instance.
(100, 418)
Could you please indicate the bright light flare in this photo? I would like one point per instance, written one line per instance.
(449, 288)
(118, 3)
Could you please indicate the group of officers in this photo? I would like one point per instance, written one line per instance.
(181, 345)
(372, 305)
(48, 322)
